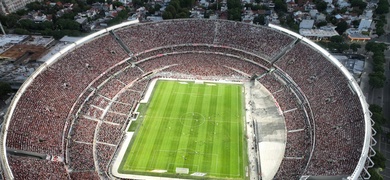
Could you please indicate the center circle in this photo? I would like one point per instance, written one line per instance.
(192, 119)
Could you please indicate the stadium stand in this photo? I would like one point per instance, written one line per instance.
(78, 106)
(326, 88)
(32, 168)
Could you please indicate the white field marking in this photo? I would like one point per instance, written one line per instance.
(210, 84)
(183, 83)
(185, 151)
(173, 118)
(172, 164)
(159, 171)
(196, 94)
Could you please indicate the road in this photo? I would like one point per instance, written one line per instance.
(382, 98)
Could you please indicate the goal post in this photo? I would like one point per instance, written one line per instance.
(180, 170)
(199, 82)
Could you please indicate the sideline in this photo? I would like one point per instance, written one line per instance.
(129, 135)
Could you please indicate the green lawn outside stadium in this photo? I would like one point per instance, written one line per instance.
(189, 125)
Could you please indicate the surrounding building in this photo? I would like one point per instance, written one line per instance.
(324, 32)
(357, 35)
(9, 6)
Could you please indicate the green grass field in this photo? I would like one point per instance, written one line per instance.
(188, 125)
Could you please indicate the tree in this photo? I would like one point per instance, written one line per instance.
(378, 128)
(258, 7)
(342, 27)
(358, 3)
(234, 14)
(378, 58)
(380, 31)
(232, 4)
(280, 6)
(187, 3)
(167, 15)
(354, 47)
(375, 47)
(21, 31)
(322, 23)
(67, 24)
(11, 20)
(116, 4)
(370, 46)
(383, 7)
(378, 118)
(175, 4)
(379, 160)
(337, 39)
(26, 24)
(375, 108)
(377, 79)
(5, 88)
(214, 6)
(171, 9)
(321, 6)
(34, 6)
(375, 175)
(355, 23)
(157, 7)
(259, 19)
(378, 67)
(182, 15)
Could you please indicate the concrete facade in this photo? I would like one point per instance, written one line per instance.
(9, 6)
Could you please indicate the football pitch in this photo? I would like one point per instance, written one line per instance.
(189, 126)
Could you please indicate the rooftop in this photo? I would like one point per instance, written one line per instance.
(318, 32)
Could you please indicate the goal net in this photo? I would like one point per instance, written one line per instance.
(198, 82)
(182, 170)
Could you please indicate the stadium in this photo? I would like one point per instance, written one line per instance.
(303, 116)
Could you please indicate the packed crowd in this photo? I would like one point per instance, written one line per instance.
(271, 82)
(83, 130)
(90, 175)
(115, 117)
(128, 75)
(338, 117)
(99, 101)
(81, 156)
(126, 101)
(111, 88)
(140, 86)
(291, 168)
(297, 145)
(256, 39)
(295, 119)
(53, 93)
(207, 64)
(200, 48)
(110, 133)
(119, 107)
(31, 168)
(104, 154)
(92, 111)
(142, 37)
(286, 99)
